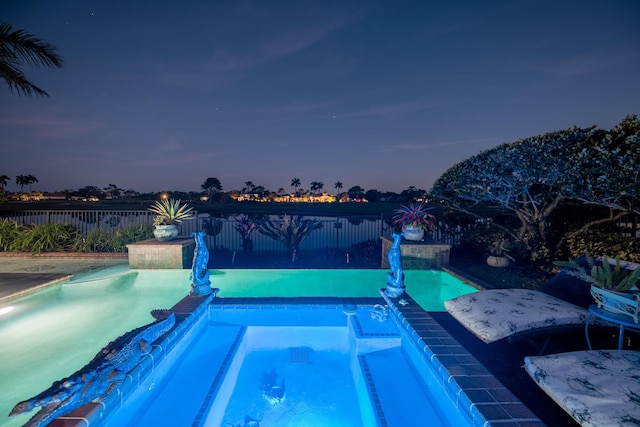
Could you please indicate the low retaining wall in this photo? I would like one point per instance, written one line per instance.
(417, 255)
(154, 254)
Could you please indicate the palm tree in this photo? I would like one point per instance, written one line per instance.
(22, 180)
(295, 183)
(30, 179)
(4, 179)
(338, 185)
(316, 185)
(18, 47)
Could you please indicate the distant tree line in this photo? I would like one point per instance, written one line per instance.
(212, 189)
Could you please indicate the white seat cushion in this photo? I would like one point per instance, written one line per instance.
(597, 387)
(494, 314)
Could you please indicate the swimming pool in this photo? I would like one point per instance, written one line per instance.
(288, 365)
(48, 335)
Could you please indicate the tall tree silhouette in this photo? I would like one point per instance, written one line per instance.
(295, 183)
(30, 179)
(22, 180)
(4, 179)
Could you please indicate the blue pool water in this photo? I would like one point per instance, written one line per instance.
(328, 368)
(51, 334)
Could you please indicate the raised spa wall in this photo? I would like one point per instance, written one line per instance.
(422, 255)
(476, 392)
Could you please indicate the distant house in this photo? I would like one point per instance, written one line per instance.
(36, 196)
(53, 196)
(322, 198)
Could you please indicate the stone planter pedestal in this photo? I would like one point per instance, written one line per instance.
(417, 255)
(153, 254)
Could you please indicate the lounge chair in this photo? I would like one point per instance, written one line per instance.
(596, 387)
(515, 314)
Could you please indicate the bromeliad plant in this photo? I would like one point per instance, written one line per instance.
(415, 215)
(603, 276)
(169, 212)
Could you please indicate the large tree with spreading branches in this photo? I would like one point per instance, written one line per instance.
(531, 178)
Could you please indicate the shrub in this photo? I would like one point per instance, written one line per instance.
(47, 238)
(15, 236)
(127, 235)
(10, 232)
(602, 244)
(94, 241)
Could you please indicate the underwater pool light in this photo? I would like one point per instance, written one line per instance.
(6, 310)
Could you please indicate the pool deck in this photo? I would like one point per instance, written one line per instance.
(16, 285)
(495, 385)
(22, 275)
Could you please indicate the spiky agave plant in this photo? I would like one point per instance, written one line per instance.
(170, 212)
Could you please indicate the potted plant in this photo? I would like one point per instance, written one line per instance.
(414, 219)
(613, 289)
(169, 213)
(499, 252)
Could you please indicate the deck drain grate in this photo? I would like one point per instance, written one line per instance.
(299, 355)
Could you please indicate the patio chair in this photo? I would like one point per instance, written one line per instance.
(595, 387)
(516, 314)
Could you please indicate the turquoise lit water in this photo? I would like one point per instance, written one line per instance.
(428, 287)
(51, 334)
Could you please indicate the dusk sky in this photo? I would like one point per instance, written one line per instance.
(160, 95)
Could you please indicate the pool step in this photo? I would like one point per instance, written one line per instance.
(194, 379)
(399, 395)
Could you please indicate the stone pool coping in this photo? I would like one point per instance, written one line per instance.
(187, 312)
(476, 391)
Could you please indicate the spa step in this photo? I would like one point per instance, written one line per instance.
(193, 376)
(402, 399)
